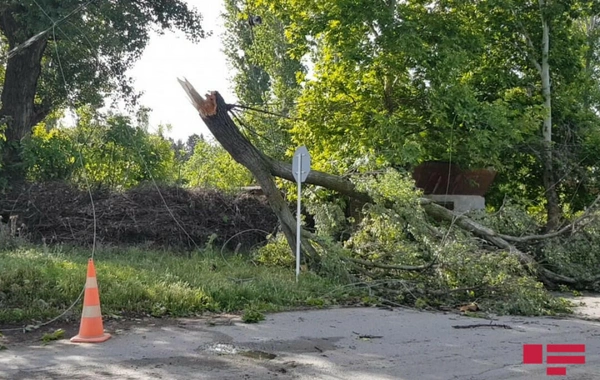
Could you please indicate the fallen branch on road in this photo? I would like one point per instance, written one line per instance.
(481, 325)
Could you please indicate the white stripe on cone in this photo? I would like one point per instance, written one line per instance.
(91, 282)
(91, 312)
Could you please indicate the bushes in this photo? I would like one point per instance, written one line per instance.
(109, 151)
(210, 166)
(275, 253)
(50, 155)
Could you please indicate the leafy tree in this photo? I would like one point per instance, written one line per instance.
(115, 152)
(183, 151)
(178, 149)
(118, 153)
(551, 61)
(265, 75)
(503, 84)
(212, 167)
(73, 53)
(191, 142)
(49, 154)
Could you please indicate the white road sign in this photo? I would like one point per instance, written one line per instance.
(301, 164)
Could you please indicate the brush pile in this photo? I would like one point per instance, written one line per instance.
(170, 218)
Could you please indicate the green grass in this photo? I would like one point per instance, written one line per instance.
(38, 284)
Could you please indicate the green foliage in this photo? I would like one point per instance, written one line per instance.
(108, 151)
(252, 315)
(415, 81)
(117, 32)
(510, 219)
(68, 54)
(49, 154)
(421, 303)
(376, 89)
(316, 302)
(275, 253)
(266, 76)
(211, 166)
(118, 153)
(576, 255)
(396, 230)
(328, 216)
(384, 232)
(183, 151)
(55, 335)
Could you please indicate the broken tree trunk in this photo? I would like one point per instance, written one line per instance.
(213, 111)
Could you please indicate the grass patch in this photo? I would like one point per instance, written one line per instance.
(56, 335)
(252, 315)
(38, 284)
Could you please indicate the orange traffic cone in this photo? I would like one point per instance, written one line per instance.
(91, 329)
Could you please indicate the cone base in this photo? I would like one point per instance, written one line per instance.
(97, 339)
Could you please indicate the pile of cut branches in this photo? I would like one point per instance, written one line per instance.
(168, 217)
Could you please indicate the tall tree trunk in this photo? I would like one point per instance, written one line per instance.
(552, 206)
(592, 28)
(19, 111)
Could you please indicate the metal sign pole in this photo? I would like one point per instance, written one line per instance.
(298, 221)
(300, 170)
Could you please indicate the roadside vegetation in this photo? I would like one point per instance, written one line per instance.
(39, 283)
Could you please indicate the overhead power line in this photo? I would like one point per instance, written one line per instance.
(14, 51)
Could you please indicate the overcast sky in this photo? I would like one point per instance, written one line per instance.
(171, 56)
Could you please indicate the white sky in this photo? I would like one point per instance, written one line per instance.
(171, 56)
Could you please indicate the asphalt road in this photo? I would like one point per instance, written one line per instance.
(352, 343)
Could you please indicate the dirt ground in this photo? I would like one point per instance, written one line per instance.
(346, 343)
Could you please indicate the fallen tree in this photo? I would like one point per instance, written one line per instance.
(214, 111)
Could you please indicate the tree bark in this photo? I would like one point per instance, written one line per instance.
(19, 110)
(315, 177)
(552, 206)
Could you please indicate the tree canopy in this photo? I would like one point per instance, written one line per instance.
(398, 83)
(74, 53)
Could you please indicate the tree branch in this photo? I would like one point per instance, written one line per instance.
(387, 266)
(579, 222)
(529, 42)
(241, 106)
(315, 177)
